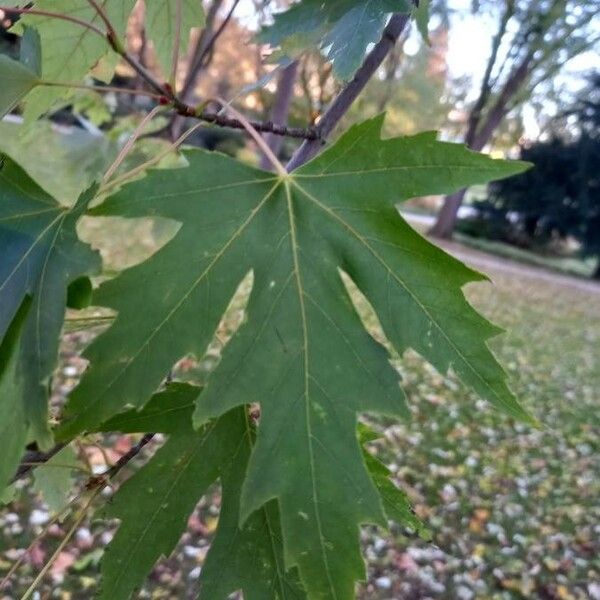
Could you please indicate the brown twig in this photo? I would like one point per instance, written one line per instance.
(205, 115)
(196, 64)
(202, 41)
(129, 456)
(176, 45)
(33, 459)
(155, 84)
(52, 15)
(184, 109)
(262, 126)
(102, 14)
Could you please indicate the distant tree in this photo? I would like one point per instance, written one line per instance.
(560, 197)
(583, 116)
(412, 89)
(533, 41)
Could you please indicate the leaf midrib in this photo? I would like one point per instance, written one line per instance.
(298, 277)
(34, 213)
(431, 167)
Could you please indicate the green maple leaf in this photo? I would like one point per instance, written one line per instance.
(161, 27)
(343, 29)
(154, 505)
(69, 50)
(303, 354)
(19, 77)
(41, 256)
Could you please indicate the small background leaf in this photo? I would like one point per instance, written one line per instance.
(421, 14)
(54, 480)
(342, 29)
(160, 24)
(19, 77)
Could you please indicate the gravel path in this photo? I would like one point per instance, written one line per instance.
(484, 261)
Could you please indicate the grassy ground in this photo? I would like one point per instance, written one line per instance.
(514, 512)
(422, 219)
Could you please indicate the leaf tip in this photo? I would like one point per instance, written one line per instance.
(371, 128)
(513, 167)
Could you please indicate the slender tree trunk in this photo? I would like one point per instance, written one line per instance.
(391, 69)
(196, 65)
(476, 138)
(448, 215)
(280, 110)
(596, 273)
(200, 49)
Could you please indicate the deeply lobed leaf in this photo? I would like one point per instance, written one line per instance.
(303, 353)
(41, 256)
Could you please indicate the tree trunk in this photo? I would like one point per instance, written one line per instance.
(280, 110)
(196, 65)
(596, 273)
(448, 216)
(476, 138)
(446, 220)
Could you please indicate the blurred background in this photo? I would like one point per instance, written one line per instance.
(513, 512)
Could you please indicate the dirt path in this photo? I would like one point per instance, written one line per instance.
(484, 261)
